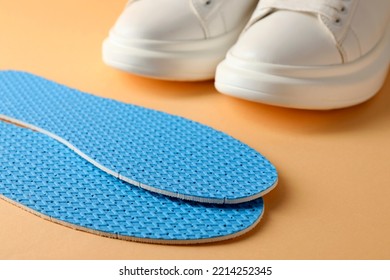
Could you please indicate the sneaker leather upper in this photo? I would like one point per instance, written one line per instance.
(180, 20)
(307, 32)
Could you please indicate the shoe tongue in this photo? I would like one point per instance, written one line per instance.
(325, 10)
(262, 13)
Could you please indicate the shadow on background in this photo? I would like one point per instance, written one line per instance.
(272, 200)
(360, 116)
(170, 89)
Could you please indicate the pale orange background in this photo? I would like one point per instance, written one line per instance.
(332, 201)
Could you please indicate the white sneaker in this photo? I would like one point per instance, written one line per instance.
(175, 39)
(311, 54)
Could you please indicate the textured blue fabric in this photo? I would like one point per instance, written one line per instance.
(44, 176)
(154, 150)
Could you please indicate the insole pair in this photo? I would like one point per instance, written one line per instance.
(201, 184)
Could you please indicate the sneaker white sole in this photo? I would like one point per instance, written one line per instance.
(302, 87)
(168, 60)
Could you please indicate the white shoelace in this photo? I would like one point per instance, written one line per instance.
(330, 9)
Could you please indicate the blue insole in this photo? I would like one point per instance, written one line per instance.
(153, 150)
(48, 179)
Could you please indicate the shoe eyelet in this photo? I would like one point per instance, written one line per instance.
(337, 21)
(343, 10)
(208, 2)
